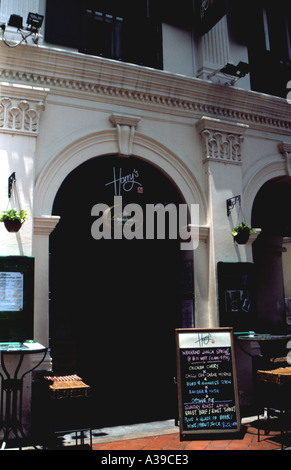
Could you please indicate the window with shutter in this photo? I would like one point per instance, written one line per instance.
(117, 30)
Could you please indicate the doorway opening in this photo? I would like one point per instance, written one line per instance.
(272, 254)
(115, 303)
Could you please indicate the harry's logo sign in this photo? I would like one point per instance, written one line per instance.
(124, 183)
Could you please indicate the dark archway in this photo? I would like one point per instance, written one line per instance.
(115, 303)
(272, 213)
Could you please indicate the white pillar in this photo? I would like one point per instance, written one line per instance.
(20, 110)
(213, 50)
(43, 226)
(222, 157)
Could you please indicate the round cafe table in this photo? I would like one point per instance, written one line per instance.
(12, 386)
(269, 344)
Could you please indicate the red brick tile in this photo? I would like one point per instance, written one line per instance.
(176, 444)
(97, 446)
(173, 442)
(218, 445)
(161, 442)
(138, 444)
(197, 445)
(112, 446)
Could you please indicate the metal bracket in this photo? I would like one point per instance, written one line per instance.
(230, 203)
(11, 181)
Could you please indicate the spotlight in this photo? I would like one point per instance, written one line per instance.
(229, 69)
(237, 71)
(15, 21)
(243, 68)
(34, 23)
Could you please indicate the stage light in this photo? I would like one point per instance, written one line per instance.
(236, 71)
(34, 22)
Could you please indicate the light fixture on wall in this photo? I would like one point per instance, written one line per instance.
(11, 182)
(34, 23)
(230, 203)
(237, 71)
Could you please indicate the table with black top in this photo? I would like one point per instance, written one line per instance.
(271, 392)
(271, 346)
(12, 386)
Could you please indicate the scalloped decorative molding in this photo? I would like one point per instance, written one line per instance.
(221, 140)
(20, 109)
(173, 104)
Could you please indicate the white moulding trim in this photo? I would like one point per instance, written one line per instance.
(45, 224)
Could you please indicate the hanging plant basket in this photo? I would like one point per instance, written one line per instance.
(12, 225)
(13, 220)
(242, 238)
(241, 233)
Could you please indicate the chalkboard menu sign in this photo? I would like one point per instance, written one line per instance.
(207, 384)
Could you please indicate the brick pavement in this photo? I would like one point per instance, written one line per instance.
(169, 442)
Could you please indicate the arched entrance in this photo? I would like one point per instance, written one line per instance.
(272, 214)
(115, 303)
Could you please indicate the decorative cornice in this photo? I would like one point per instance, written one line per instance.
(45, 224)
(200, 232)
(254, 236)
(78, 76)
(203, 233)
(221, 140)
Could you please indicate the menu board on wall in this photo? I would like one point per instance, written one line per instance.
(207, 383)
(16, 298)
(11, 291)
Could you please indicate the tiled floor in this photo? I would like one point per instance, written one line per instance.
(248, 441)
(164, 436)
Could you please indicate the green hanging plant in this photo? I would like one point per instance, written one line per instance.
(242, 232)
(13, 220)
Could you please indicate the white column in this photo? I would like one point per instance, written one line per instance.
(222, 157)
(213, 50)
(20, 110)
(43, 226)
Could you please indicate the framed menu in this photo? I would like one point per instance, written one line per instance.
(16, 298)
(207, 382)
(11, 291)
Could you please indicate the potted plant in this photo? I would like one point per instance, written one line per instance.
(13, 220)
(242, 232)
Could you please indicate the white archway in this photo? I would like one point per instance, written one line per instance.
(263, 173)
(105, 143)
(267, 252)
(64, 161)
